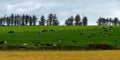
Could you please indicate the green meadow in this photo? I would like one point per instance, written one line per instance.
(67, 35)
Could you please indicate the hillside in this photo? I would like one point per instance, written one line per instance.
(62, 35)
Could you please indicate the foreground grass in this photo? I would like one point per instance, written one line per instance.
(60, 55)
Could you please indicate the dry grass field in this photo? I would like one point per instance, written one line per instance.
(60, 55)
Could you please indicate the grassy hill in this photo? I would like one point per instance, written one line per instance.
(67, 35)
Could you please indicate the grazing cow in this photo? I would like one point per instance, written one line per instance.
(3, 42)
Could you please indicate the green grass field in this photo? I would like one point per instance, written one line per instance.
(81, 34)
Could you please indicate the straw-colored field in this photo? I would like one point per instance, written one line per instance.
(60, 55)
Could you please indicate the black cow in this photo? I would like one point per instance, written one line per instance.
(3, 42)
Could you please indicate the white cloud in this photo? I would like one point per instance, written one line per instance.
(22, 7)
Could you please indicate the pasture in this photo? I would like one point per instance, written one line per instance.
(62, 35)
(60, 55)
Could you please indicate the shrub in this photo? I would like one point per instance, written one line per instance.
(100, 45)
(71, 47)
(104, 45)
(91, 45)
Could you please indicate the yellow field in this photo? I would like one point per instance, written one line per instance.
(60, 55)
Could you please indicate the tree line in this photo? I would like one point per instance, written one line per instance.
(27, 20)
(108, 22)
(77, 21)
(18, 20)
(51, 20)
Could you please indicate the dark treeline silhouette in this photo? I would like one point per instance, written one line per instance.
(108, 22)
(51, 20)
(27, 20)
(76, 21)
(18, 20)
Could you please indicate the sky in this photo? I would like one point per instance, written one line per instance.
(93, 9)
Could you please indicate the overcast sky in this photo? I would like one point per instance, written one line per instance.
(62, 8)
